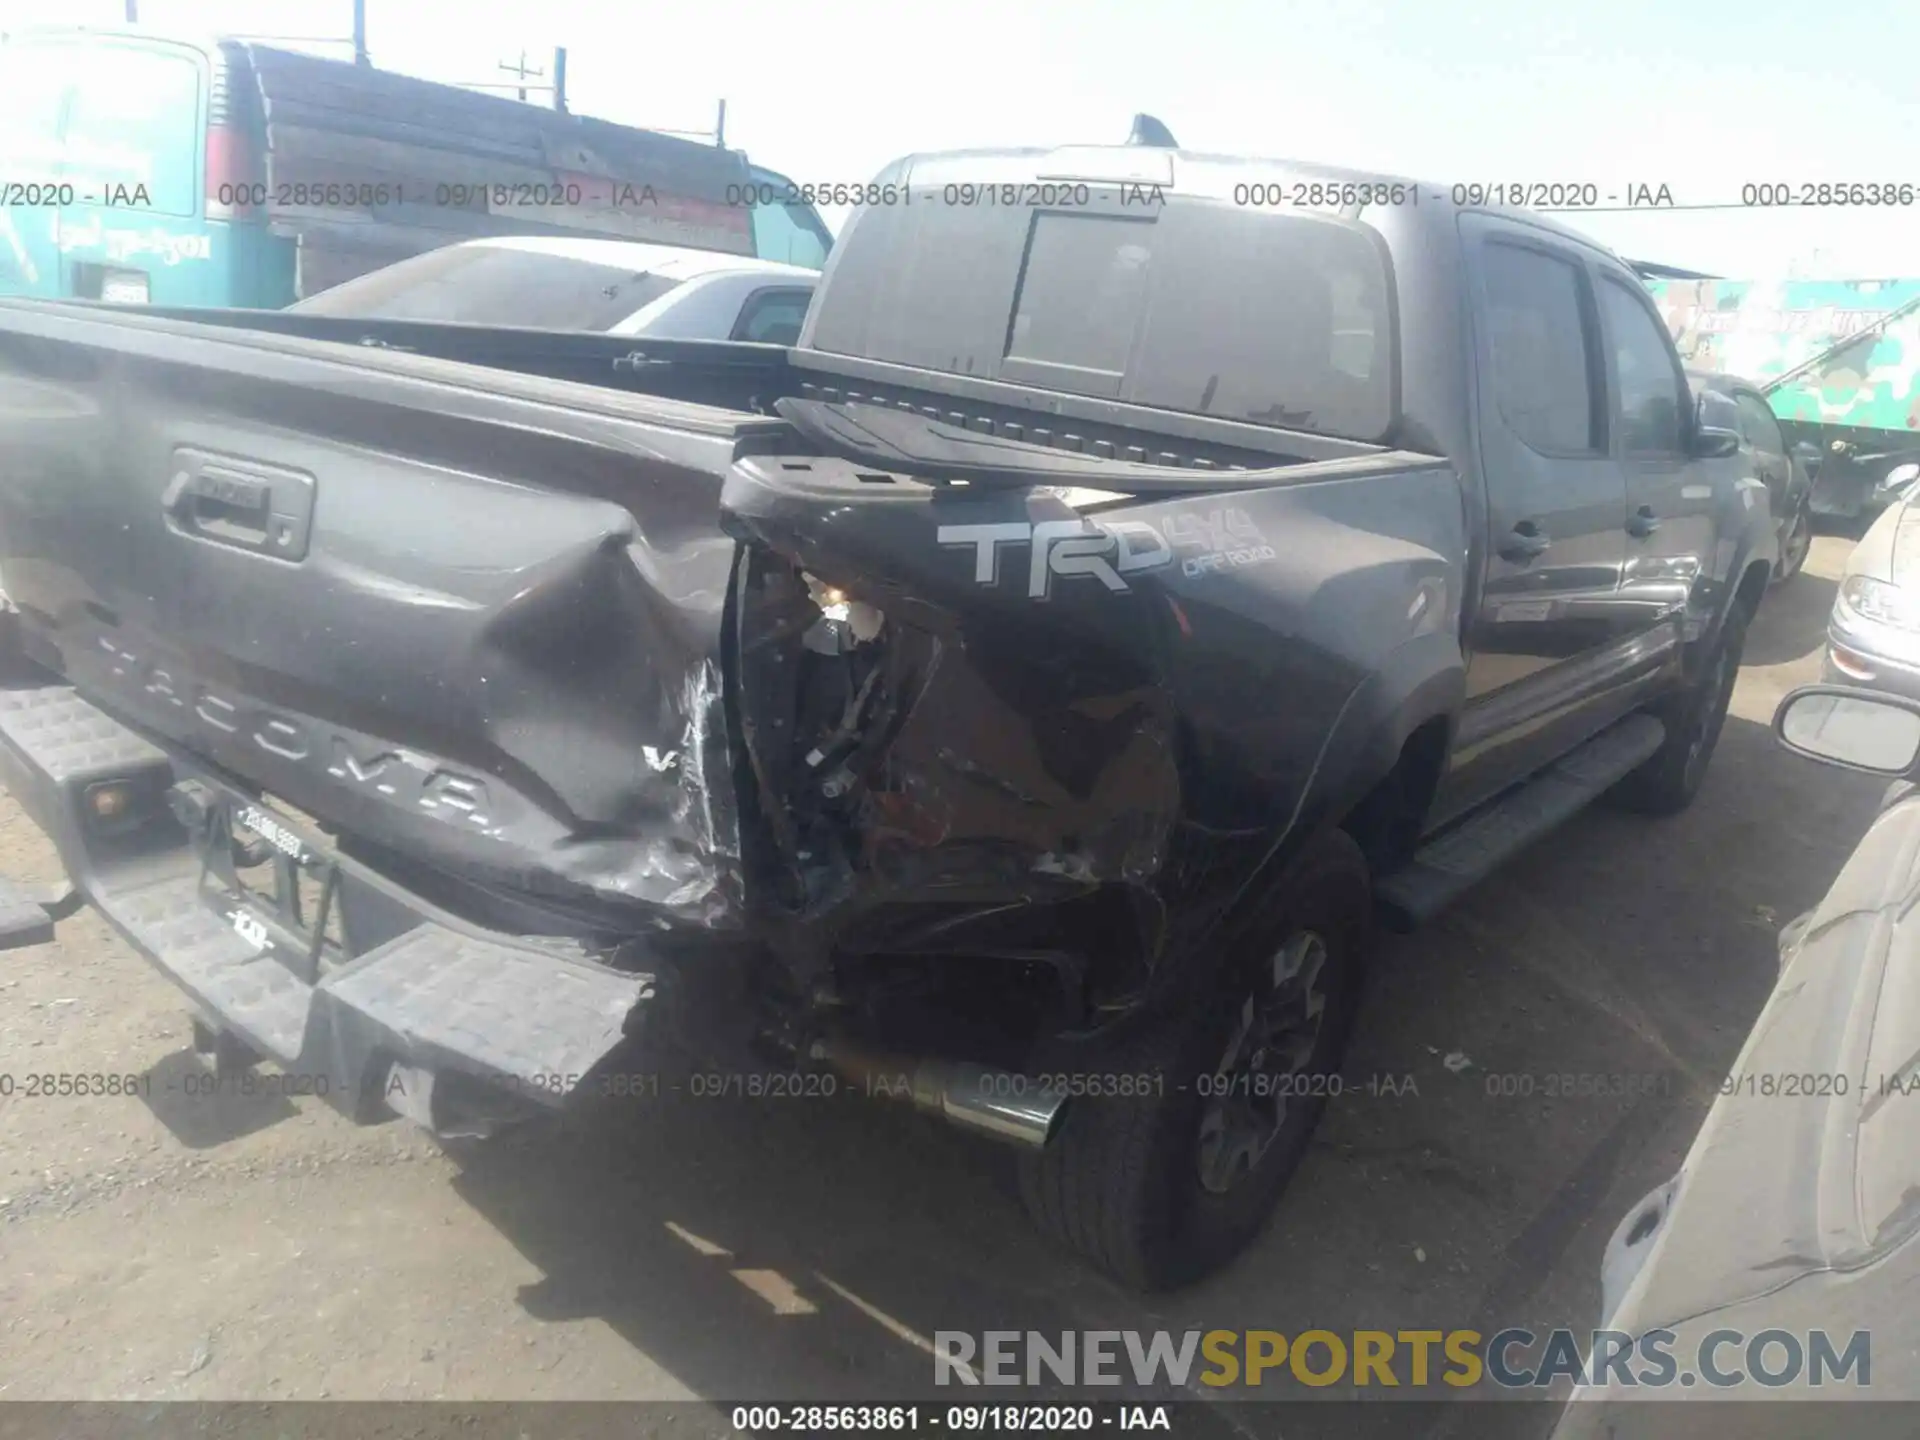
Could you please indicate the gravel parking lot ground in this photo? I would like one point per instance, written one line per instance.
(259, 1248)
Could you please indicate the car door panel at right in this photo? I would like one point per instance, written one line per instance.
(1671, 500)
(1546, 635)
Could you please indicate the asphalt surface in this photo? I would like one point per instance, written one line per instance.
(169, 1246)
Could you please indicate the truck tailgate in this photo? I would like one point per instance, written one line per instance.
(469, 615)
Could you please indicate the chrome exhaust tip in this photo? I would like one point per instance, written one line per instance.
(1000, 1104)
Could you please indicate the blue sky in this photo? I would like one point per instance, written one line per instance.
(1701, 97)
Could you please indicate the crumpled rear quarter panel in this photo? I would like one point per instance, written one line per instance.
(1152, 727)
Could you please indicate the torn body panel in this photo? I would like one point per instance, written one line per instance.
(498, 652)
(1078, 735)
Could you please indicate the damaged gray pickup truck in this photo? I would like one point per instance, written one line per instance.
(1031, 685)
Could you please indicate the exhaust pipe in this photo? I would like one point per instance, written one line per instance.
(999, 1104)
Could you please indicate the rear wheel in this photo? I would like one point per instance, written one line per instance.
(1668, 781)
(1160, 1186)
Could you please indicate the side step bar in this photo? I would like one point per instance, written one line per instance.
(1459, 857)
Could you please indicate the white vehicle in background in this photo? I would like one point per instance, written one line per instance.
(618, 287)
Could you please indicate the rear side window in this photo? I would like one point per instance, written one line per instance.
(494, 285)
(1196, 306)
(1761, 429)
(135, 121)
(1650, 383)
(1542, 362)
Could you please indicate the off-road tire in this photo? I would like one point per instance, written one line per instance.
(1120, 1181)
(1668, 781)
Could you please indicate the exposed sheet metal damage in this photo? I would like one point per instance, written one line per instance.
(1064, 741)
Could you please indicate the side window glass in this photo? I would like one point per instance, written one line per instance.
(1542, 375)
(1650, 382)
(778, 234)
(792, 234)
(773, 317)
(1756, 419)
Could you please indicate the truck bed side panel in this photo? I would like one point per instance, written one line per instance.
(1120, 719)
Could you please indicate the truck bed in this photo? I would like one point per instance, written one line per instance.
(534, 620)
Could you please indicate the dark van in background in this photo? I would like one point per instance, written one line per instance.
(153, 170)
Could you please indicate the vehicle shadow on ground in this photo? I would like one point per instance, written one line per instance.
(201, 1111)
(1792, 622)
(808, 1249)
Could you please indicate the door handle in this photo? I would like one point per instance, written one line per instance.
(1526, 541)
(1643, 522)
(246, 504)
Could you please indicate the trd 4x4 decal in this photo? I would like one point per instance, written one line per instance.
(1215, 539)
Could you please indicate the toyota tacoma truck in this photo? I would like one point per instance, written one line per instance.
(1020, 696)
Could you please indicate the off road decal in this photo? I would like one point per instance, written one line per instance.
(1108, 552)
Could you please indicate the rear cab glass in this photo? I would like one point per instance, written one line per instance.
(1189, 303)
(495, 285)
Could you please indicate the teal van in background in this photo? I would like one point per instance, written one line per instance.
(151, 170)
(105, 148)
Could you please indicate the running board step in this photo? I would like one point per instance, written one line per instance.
(1456, 860)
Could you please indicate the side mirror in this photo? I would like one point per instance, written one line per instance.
(1716, 426)
(1854, 729)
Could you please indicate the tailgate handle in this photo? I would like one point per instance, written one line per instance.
(244, 504)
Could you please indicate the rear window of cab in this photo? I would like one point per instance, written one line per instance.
(1282, 319)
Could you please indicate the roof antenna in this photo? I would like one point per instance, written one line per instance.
(1149, 131)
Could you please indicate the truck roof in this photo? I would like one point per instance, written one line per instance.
(1185, 172)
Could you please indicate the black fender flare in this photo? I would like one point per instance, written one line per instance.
(1419, 683)
(1756, 553)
